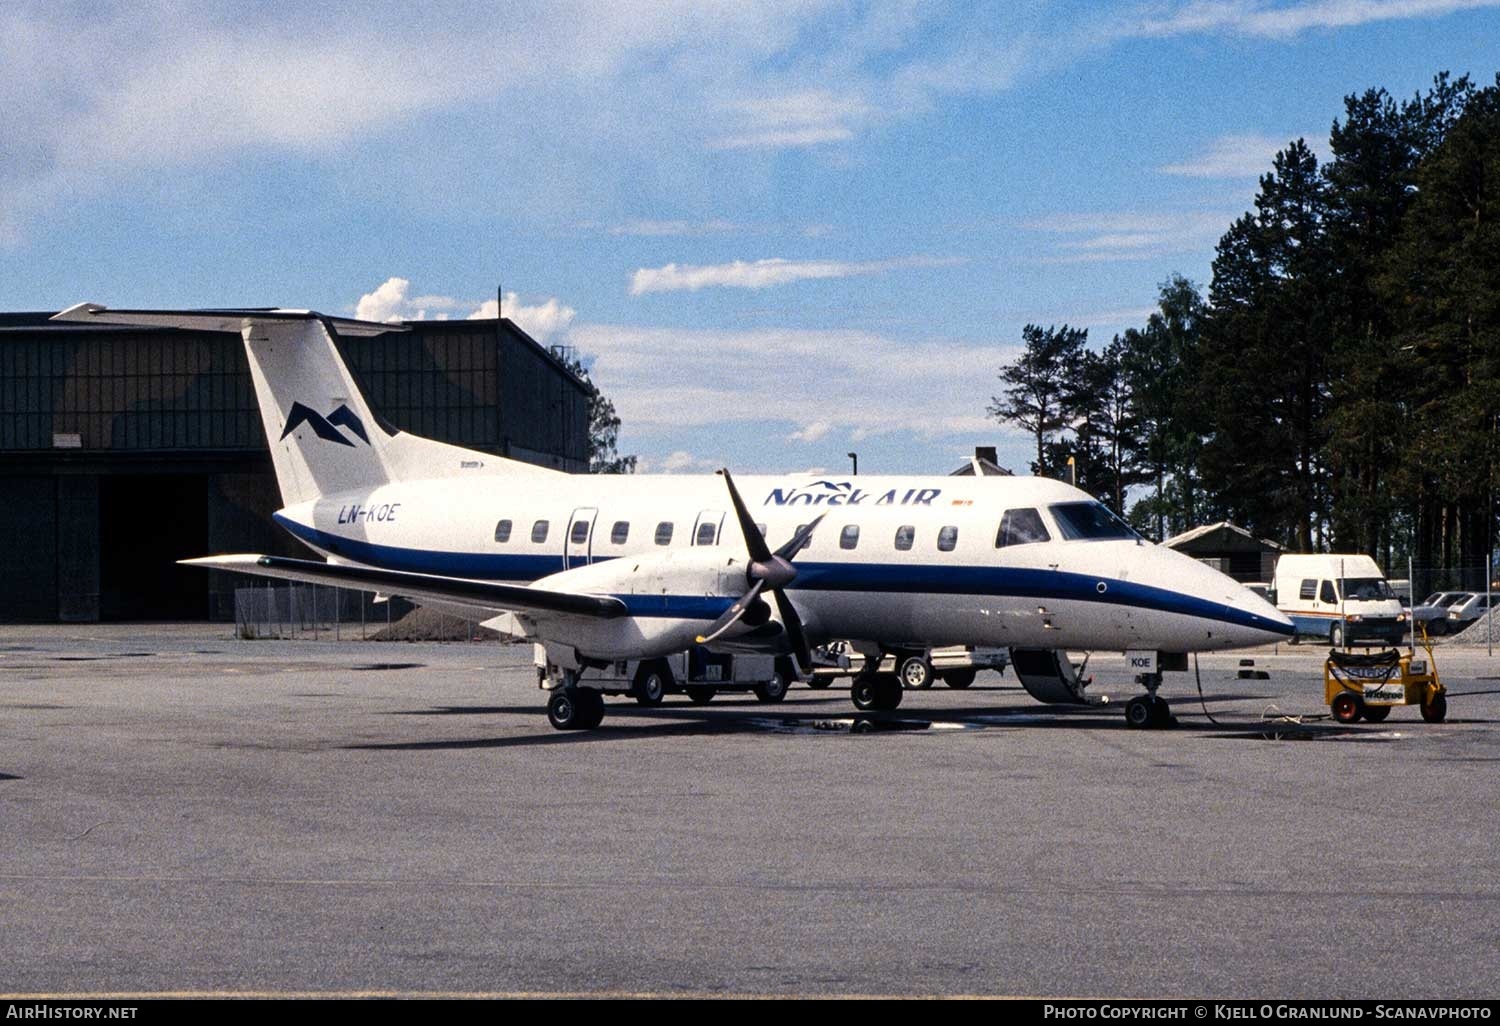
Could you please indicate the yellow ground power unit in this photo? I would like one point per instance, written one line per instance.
(1366, 685)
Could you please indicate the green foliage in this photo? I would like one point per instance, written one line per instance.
(604, 429)
(1041, 387)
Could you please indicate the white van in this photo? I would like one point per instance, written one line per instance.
(1341, 599)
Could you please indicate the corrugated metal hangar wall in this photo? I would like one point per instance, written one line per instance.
(123, 450)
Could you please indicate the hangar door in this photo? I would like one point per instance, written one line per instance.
(146, 523)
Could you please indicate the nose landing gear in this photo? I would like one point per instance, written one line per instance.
(1149, 711)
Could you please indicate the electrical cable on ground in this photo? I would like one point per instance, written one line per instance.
(1266, 717)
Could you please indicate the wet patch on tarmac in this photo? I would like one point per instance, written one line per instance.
(1309, 732)
(853, 725)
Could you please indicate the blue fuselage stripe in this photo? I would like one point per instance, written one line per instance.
(929, 579)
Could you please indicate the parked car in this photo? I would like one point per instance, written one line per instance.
(1466, 611)
(955, 665)
(1433, 613)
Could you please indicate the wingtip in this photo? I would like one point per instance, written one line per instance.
(227, 562)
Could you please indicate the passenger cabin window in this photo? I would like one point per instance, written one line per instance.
(1021, 527)
(1308, 591)
(947, 539)
(905, 535)
(664, 533)
(1089, 521)
(580, 533)
(502, 531)
(849, 536)
(620, 532)
(1325, 593)
(539, 531)
(707, 534)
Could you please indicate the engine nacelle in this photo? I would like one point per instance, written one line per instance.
(673, 598)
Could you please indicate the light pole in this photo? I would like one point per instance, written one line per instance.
(1489, 548)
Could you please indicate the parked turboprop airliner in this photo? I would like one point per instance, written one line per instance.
(605, 568)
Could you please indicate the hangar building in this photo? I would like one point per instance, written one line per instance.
(124, 449)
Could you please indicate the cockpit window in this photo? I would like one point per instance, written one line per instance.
(1021, 527)
(1089, 521)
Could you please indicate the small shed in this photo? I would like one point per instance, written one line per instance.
(1230, 549)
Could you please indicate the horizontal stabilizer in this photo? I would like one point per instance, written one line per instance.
(232, 320)
(514, 598)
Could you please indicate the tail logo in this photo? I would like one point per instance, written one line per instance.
(324, 427)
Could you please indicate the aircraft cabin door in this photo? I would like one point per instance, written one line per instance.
(706, 530)
(578, 549)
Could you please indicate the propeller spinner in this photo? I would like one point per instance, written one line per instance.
(767, 570)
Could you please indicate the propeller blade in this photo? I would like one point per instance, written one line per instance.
(793, 624)
(800, 539)
(760, 552)
(732, 614)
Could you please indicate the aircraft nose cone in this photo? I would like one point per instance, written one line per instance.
(1264, 623)
(1235, 615)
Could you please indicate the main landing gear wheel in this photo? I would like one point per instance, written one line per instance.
(915, 672)
(876, 692)
(701, 696)
(575, 708)
(775, 689)
(1346, 707)
(958, 678)
(1436, 710)
(652, 679)
(1147, 712)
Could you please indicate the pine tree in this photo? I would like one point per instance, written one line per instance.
(1037, 394)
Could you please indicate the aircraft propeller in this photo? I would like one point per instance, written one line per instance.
(767, 569)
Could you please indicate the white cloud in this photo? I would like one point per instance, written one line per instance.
(389, 302)
(1281, 21)
(386, 303)
(795, 385)
(645, 227)
(1236, 155)
(639, 85)
(798, 119)
(678, 462)
(541, 320)
(760, 274)
(811, 432)
(1115, 236)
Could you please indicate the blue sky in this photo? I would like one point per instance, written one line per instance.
(778, 231)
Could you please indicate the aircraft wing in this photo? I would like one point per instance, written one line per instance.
(500, 598)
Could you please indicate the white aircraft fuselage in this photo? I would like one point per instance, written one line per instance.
(1108, 594)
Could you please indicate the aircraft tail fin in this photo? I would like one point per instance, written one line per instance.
(323, 435)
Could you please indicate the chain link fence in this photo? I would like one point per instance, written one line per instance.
(297, 611)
